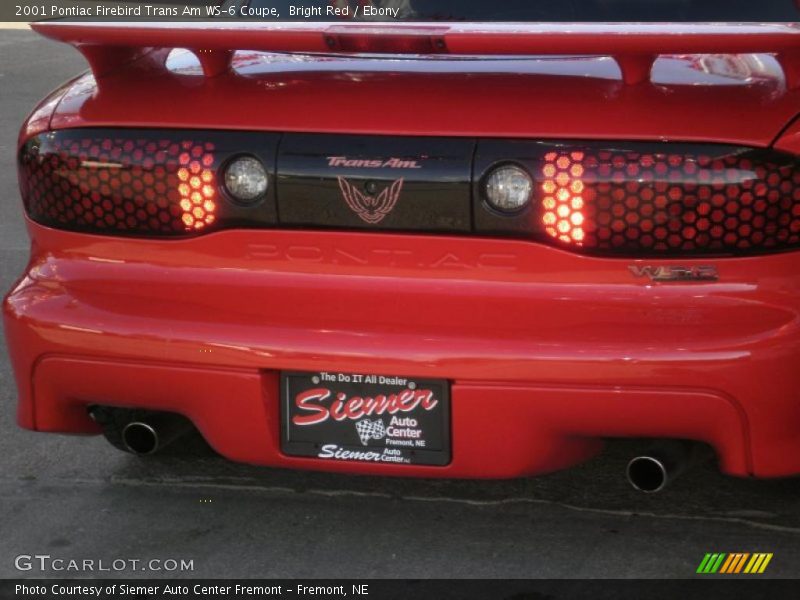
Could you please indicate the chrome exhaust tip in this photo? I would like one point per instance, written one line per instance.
(140, 438)
(655, 469)
(152, 433)
(140, 431)
(647, 474)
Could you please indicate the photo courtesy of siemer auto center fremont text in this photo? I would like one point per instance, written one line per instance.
(399, 299)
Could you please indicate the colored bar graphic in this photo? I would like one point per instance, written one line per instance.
(728, 562)
(711, 563)
(754, 564)
(741, 562)
(734, 563)
(704, 563)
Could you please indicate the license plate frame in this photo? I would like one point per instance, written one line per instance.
(331, 415)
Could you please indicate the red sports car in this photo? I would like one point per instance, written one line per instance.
(438, 246)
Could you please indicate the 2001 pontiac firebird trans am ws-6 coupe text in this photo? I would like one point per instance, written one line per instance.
(434, 250)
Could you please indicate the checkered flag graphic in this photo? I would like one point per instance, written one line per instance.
(370, 430)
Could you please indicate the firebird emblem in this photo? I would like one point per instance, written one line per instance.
(371, 209)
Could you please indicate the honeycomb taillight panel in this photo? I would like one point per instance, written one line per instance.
(650, 199)
(631, 199)
(137, 182)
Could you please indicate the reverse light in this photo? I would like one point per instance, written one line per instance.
(246, 179)
(509, 188)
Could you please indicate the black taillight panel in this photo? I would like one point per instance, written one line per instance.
(648, 199)
(633, 199)
(141, 182)
(368, 182)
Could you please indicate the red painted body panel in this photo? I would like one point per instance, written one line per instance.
(789, 140)
(544, 346)
(460, 38)
(549, 352)
(634, 46)
(282, 93)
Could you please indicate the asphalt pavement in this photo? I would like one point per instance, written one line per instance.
(76, 498)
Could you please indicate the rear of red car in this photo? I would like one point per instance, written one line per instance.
(439, 250)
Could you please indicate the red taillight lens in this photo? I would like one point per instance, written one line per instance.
(563, 200)
(142, 182)
(198, 186)
(639, 200)
(134, 185)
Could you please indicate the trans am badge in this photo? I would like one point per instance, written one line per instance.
(371, 209)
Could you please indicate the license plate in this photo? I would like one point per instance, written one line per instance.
(365, 418)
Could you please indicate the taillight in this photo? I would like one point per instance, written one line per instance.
(197, 185)
(608, 198)
(134, 182)
(563, 190)
(663, 199)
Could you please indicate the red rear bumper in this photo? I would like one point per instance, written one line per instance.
(548, 352)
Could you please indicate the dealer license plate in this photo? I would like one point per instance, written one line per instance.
(365, 418)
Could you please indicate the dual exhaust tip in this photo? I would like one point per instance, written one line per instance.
(649, 472)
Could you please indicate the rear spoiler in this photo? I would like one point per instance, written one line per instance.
(634, 46)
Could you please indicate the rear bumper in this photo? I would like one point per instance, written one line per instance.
(548, 352)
